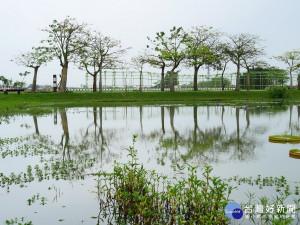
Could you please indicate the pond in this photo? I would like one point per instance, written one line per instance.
(48, 163)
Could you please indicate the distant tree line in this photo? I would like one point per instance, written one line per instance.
(69, 41)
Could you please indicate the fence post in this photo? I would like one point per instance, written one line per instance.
(86, 81)
(114, 79)
(54, 83)
(105, 78)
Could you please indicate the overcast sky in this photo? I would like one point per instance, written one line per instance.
(277, 22)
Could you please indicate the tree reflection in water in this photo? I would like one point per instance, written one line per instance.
(65, 138)
(37, 132)
(202, 146)
(213, 136)
(97, 142)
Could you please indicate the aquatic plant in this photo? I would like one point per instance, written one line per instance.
(295, 153)
(284, 139)
(133, 195)
(272, 209)
(18, 221)
(264, 210)
(35, 198)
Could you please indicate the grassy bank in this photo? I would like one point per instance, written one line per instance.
(13, 102)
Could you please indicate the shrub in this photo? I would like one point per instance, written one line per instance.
(279, 92)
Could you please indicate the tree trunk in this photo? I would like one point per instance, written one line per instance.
(222, 77)
(64, 122)
(291, 81)
(94, 82)
(248, 79)
(66, 145)
(63, 82)
(222, 116)
(172, 113)
(195, 118)
(172, 86)
(290, 123)
(237, 116)
(95, 118)
(33, 88)
(141, 118)
(36, 125)
(162, 79)
(175, 140)
(100, 81)
(237, 85)
(162, 112)
(196, 69)
(141, 74)
(248, 118)
(103, 142)
(100, 116)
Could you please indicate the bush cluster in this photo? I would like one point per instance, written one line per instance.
(279, 92)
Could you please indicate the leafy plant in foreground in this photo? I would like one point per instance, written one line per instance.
(133, 195)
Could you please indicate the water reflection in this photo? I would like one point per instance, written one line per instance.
(194, 134)
(204, 145)
(65, 138)
(178, 142)
(37, 132)
(74, 144)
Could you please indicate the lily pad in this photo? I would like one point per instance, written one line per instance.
(284, 139)
(295, 153)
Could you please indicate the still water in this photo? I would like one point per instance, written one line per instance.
(51, 160)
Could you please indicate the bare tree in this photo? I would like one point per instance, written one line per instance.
(222, 59)
(138, 63)
(292, 59)
(250, 63)
(102, 52)
(33, 59)
(156, 59)
(171, 49)
(242, 47)
(201, 44)
(66, 39)
(159, 62)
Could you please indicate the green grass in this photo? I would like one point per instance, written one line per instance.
(16, 103)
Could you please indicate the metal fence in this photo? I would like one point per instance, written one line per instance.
(130, 80)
